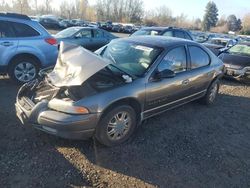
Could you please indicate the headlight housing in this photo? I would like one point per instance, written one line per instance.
(66, 107)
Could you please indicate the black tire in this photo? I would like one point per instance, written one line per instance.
(103, 129)
(211, 94)
(32, 69)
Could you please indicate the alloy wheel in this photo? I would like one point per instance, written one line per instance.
(25, 71)
(119, 126)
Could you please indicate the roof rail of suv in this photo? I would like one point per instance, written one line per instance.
(14, 15)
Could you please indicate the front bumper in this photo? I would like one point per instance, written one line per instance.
(56, 123)
(237, 72)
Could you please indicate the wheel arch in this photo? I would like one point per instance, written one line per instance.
(24, 55)
(134, 103)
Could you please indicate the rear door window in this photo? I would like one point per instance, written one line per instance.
(6, 30)
(85, 33)
(168, 34)
(199, 58)
(97, 33)
(179, 34)
(23, 30)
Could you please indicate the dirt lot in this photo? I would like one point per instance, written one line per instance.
(192, 146)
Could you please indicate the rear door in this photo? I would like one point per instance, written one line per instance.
(84, 38)
(98, 39)
(8, 42)
(201, 71)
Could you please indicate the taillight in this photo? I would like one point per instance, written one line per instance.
(51, 41)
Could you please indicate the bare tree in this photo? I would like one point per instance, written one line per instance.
(48, 6)
(120, 10)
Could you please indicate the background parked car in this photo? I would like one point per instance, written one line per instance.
(128, 29)
(164, 31)
(49, 23)
(237, 61)
(217, 45)
(65, 24)
(87, 37)
(25, 47)
(117, 28)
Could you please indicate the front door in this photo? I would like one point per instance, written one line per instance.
(169, 92)
(8, 42)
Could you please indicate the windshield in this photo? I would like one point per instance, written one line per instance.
(145, 32)
(240, 49)
(67, 32)
(132, 58)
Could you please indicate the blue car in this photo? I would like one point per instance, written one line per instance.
(88, 37)
(25, 47)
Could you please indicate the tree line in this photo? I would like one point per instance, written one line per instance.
(129, 11)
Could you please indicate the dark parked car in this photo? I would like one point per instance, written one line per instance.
(65, 24)
(164, 31)
(49, 23)
(128, 29)
(118, 28)
(217, 45)
(107, 95)
(87, 37)
(237, 61)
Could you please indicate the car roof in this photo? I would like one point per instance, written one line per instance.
(161, 28)
(158, 41)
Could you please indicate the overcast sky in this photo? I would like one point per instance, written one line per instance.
(194, 8)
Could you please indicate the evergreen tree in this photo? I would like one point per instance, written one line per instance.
(233, 24)
(211, 16)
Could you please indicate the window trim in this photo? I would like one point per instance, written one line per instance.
(192, 45)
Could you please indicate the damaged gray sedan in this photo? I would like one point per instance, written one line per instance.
(107, 94)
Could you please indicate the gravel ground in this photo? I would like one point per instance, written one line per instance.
(191, 146)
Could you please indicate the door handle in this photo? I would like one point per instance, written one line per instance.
(6, 43)
(185, 82)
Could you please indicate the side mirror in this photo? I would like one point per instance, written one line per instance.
(164, 74)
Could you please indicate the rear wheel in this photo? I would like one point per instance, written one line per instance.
(23, 69)
(211, 94)
(116, 126)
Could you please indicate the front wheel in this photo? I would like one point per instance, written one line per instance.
(211, 94)
(116, 126)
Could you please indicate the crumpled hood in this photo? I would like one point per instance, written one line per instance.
(75, 65)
